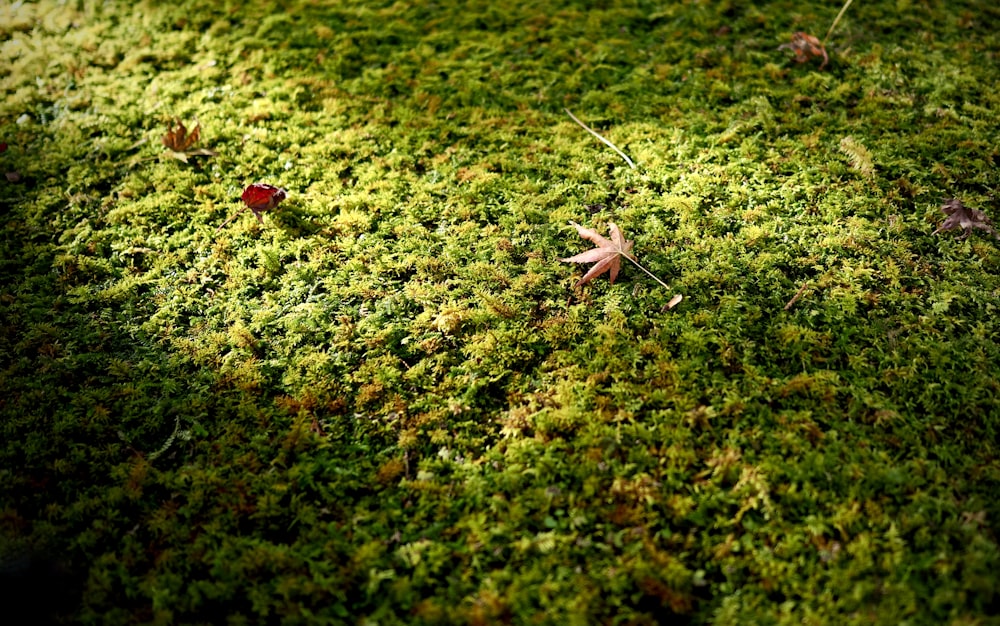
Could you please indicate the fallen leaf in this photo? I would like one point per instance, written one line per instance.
(181, 143)
(961, 216)
(258, 197)
(806, 47)
(673, 302)
(261, 197)
(180, 139)
(607, 255)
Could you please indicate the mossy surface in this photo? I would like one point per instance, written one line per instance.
(389, 405)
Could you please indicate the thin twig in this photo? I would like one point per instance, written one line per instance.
(798, 294)
(836, 20)
(606, 142)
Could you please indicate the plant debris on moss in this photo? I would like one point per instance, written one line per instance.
(806, 47)
(388, 404)
(180, 143)
(961, 216)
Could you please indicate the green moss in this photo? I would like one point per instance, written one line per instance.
(387, 404)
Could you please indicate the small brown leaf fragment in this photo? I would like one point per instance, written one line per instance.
(607, 255)
(806, 47)
(179, 139)
(181, 143)
(961, 216)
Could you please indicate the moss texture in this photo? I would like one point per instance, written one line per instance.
(388, 404)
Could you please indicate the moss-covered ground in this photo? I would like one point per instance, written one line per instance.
(388, 404)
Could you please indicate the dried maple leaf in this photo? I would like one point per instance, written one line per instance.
(961, 216)
(806, 47)
(181, 143)
(607, 256)
(179, 139)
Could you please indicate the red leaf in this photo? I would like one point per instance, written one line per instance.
(260, 197)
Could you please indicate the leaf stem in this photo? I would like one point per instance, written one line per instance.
(229, 219)
(651, 275)
(606, 142)
(836, 20)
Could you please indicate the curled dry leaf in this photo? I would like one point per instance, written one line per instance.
(806, 47)
(961, 216)
(179, 139)
(181, 143)
(673, 302)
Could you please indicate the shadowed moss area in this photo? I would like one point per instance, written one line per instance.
(388, 404)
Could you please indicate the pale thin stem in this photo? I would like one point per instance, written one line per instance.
(651, 274)
(606, 142)
(836, 20)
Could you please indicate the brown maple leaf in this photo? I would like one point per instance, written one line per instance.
(806, 47)
(961, 216)
(181, 143)
(607, 256)
(179, 139)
